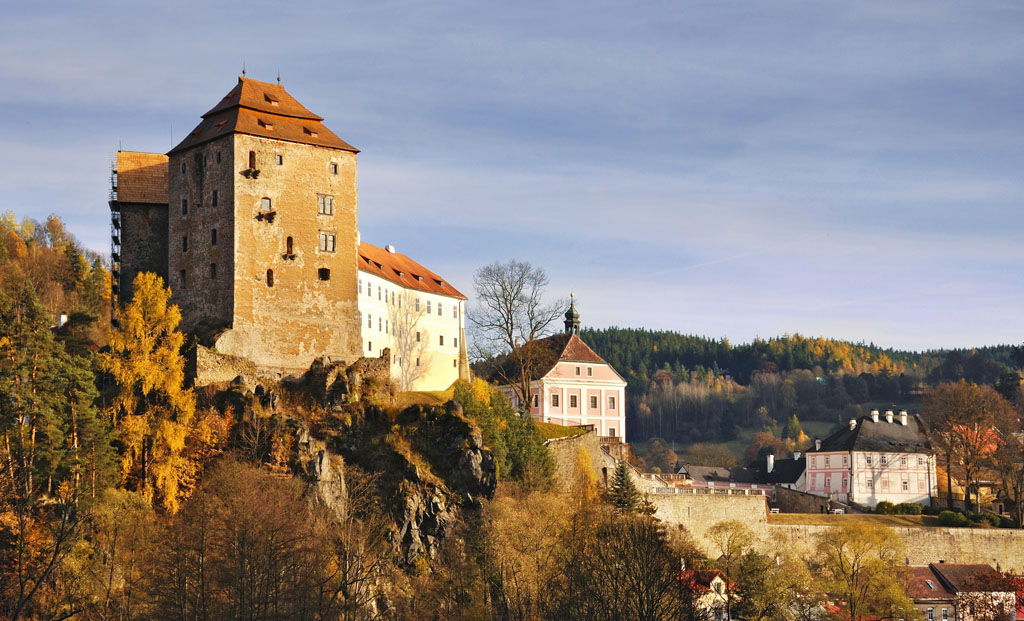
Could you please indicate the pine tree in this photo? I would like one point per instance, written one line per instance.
(152, 410)
(623, 494)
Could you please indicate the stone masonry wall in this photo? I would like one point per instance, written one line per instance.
(301, 317)
(143, 244)
(1002, 548)
(564, 452)
(205, 297)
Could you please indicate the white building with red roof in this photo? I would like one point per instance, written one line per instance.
(420, 317)
(572, 385)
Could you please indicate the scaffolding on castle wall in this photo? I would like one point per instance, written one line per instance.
(115, 239)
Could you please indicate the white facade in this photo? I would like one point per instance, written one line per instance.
(424, 330)
(869, 477)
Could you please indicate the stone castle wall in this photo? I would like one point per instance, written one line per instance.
(143, 244)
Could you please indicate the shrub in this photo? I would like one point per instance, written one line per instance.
(885, 507)
(953, 519)
(908, 508)
(931, 510)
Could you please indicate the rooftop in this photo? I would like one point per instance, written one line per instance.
(403, 271)
(879, 436)
(141, 177)
(263, 109)
(547, 352)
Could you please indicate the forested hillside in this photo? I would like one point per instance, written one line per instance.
(695, 389)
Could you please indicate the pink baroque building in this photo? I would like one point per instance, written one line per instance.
(574, 386)
(874, 459)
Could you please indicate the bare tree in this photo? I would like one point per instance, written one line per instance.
(408, 339)
(511, 316)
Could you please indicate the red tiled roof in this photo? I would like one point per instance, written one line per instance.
(922, 583)
(967, 578)
(546, 353)
(263, 109)
(403, 271)
(578, 351)
(141, 177)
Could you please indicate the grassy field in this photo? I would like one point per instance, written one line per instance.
(834, 520)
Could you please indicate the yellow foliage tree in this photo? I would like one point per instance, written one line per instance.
(152, 410)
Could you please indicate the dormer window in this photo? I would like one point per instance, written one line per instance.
(310, 132)
(270, 100)
(265, 124)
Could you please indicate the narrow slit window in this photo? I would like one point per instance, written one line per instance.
(270, 278)
(252, 159)
(216, 157)
(184, 243)
(184, 206)
(213, 237)
(280, 159)
(213, 271)
(182, 274)
(214, 199)
(288, 244)
(323, 273)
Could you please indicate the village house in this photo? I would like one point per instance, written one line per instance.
(572, 385)
(874, 459)
(252, 221)
(961, 592)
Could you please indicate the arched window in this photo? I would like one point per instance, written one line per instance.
(252, 159)
(270, 278)
(288, 246)
(265, 204)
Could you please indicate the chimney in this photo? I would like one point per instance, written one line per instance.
(903, 417)
(797, 454)
(63, 319)
(770, 459)
(874, 416)
(888, 416)
(817, 444)
(853, 424)
(390, 248)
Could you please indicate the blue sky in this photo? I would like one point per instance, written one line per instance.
(736, 169)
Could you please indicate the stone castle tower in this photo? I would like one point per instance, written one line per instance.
(261, 231)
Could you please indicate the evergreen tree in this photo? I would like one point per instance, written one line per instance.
(792, 431)
(624, 495)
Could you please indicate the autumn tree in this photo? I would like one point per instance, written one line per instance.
(152, 410)
(704, 454)
(965, 421)
(511, 315)
(732, 539)
(860, 565)
(1008, 462)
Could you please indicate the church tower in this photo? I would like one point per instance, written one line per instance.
(572, 317)
(262, 239)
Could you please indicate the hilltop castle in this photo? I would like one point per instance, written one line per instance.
(252, 222)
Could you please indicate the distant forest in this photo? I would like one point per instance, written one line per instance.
(694, 389)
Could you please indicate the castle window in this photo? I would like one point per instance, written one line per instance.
(280, 159)
(884, 460)
(270, 278)
(380, 324)
(184, 243)
(334, 168)
(369, 320)
(590, 371)
(417, 337)
(288, 244)
(369, 345)
(182, 274)
(554, 401)
(593, 403)
(573, 402)
(867, 459)
(577, 370)
(326, 242)
(456, 341)
(184, 206)
(417, 305)
(183, 168)
(252, 159)
(417, 362)
(213, 200)
(454, 363)
(325, 205)
(903, 460)
(387, 327)
(323, 273)
(536, 399)
(265, 204)
(906, 486)
(380, 292)
(428, 307)
(213, 270)
(611, 434)
(455, 312)
(611, 403)
(442, 340)
(213, 237)
(439, 308)
(216, 157)
(360, 283)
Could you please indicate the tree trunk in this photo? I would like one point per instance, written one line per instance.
(949, 481)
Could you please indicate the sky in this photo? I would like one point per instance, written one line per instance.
(732, 169)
